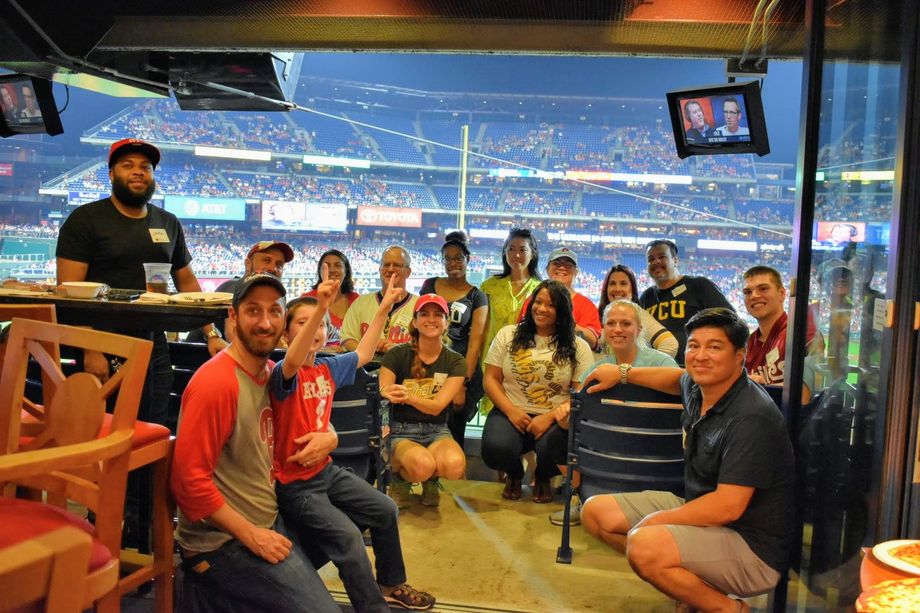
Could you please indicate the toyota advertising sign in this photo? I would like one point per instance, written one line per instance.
(389, 216)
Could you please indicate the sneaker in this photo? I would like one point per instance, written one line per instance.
(558, 518)
(408, 597)
(400, 492)
(431, 494)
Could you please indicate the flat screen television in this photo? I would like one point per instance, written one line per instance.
(27, 106)
(718, 119)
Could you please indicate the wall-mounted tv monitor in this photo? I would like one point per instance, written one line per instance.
(833, 234)
(718, 119)
(27, 106)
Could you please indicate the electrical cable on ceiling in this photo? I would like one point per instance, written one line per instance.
(66, 102)
(290, 106)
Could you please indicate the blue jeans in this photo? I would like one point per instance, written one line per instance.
(330, 510)
(233, 579)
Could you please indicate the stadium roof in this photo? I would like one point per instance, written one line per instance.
(122, 36)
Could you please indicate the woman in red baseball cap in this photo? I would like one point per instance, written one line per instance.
(420, 378)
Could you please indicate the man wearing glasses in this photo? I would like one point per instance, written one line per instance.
(29, 109)
(395, 264)
(731, 109)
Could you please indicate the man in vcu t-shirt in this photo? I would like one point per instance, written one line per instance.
(675, 298)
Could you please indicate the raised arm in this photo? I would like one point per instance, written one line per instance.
(368, 344)
(300, 348)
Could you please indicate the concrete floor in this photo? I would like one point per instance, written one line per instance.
(480, 552)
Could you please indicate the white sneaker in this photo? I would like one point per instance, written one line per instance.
(558, 518)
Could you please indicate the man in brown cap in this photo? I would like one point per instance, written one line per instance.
(264, 256)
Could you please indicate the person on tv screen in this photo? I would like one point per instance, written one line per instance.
(699, 129)
(841, 234)
(731, 109)
(7, 104)
(30, 110)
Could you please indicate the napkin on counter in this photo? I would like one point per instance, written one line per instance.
(153, 297)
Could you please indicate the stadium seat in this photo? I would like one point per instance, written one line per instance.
(622, 445)
(355, 419)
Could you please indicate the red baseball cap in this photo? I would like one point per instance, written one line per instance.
(432, 299)
(285, 249)
(133, 145)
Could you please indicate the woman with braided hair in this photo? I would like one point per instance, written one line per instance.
(420, 378)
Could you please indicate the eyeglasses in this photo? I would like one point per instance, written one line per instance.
(392, 265)
(457, 258)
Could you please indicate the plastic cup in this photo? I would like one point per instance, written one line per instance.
(157, 276)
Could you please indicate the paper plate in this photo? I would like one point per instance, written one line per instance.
(202, 298)
(884, 552)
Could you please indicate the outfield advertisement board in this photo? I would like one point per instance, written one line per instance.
(197, 207)
(304, 216)
(389, 216)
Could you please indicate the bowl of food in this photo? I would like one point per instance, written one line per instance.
(83, 289)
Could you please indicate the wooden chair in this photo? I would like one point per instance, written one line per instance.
(151, 445)
(622, 446)
(49, 569)
(35, 380)
(78, 454)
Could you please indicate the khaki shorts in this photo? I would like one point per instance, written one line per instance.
(717, 555)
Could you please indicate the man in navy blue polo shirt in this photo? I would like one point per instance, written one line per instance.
(733, 532)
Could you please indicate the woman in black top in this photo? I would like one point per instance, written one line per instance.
(469, 313)
(420, 378)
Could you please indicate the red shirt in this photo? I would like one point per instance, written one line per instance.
(767, 357)
(583, 310)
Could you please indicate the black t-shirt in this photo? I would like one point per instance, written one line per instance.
(742, 440)
(116, 247)
(399, 359)
(677, 304)
(461, 314)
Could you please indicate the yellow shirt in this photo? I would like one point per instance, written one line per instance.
(504, 309)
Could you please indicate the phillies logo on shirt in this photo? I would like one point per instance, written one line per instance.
(320, 388)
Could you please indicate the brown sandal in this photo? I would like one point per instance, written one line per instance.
(542, 492)
(512, 489)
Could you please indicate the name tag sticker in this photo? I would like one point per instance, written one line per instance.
(159, 235)
(440, 378)
(772, 356)
(677, 291)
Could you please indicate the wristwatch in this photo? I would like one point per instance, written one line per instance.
(624, 370)
(213, 333)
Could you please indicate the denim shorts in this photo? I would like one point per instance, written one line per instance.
(418, 432)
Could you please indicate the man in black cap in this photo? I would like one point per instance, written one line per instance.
(236, 551)
(109, 240)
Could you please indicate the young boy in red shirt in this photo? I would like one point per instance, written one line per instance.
(325, 501)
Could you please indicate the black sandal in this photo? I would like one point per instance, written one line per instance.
(408, 597)
(512, 489)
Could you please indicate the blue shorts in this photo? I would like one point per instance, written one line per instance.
(418, 432)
